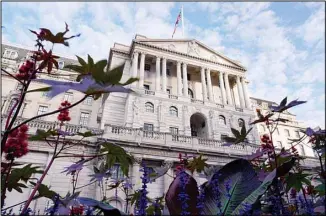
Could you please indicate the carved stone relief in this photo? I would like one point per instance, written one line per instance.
(193, 48)
(171, 47)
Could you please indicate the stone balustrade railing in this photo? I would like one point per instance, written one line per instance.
(149, 92)
(171, 140)
(173, 96)
(46, 125)
(196, 101)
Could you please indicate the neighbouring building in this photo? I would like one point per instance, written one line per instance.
(187, 99)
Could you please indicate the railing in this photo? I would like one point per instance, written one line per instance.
(197, 101)
(149, 92)
(46, 125)
(238, 109)
(173, 96)
(220, 105)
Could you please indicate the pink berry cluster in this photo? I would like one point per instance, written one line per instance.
(26, 70)
(64, 115)
(17, 145)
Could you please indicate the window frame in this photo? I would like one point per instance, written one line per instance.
(173, 111)
(149, 107)
(221, 118)
(146, 87)
(149, 65)
(44, 109)
(82, 118)
(88, 101)
(68, 95)
(116, 172)
(146, 132)
(240, 120)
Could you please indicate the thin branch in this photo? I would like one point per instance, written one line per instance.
(75, 155)
(85, 185)
(13, 76)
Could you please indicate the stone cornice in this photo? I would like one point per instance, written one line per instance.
(189, 56)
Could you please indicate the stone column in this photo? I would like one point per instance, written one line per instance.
(245, 93)
(164, 75)
(135, 66)
(222, 87)
(228, 92)
(203, 82)
(185, 81)
(158, 75)
(242, 103)
(136, 181)
(209, 85)
(179, 79)
(141, 71)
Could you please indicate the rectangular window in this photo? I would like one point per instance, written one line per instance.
(174, 130)
(147, 67)
(116, 172)
(42, 109)
(168, 91)
(287, 132)
(188, 77)
(84, 116)
(146, 87)
(68, 97)
(168, 72)
(88, 100)
(148, 130)
(223, 136)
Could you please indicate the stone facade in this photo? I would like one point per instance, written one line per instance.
(156, 122)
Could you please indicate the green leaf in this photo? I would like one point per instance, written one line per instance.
(42, 134)
(116, 154)
(44, 89)
(320, 189)
(129, 81)
(81, 61)
(197, 163)
(114, 76)
(296, 180)
(87, 134)
(256, 194)
(44, 191)
(76, 68)
(243, 181)
(235, 132)
(243, 131)
(90, 61)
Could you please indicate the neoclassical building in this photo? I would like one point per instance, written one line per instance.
(187, 99)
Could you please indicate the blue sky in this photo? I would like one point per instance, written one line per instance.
(281, 43)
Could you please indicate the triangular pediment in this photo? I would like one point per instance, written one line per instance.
(192, 48)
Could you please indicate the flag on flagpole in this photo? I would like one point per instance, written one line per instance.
(176, 23)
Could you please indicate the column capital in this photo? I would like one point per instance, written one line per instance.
(142, 52)
(164, 58)
(136, 52)
(184, 64)
(179, 62)
(137, 159)
(158, 58)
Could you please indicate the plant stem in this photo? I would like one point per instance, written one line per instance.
(4, 189)
(28, 202)
(321, 163)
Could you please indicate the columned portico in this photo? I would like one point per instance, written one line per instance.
(245, 93)
(135, 65)
(158, 75)
(203, 82)
(179, 80)
(222, 87)
(228, 92)
(240, 93)
(164, 75)
(141, 70)
(209, 85)
(185, 81)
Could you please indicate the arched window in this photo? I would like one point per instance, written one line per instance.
(173, 111)
(61, 64)
(262, 128)
(241, 122)
(221, 120)
(149, 107)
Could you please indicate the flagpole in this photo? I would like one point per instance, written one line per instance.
(183, 27)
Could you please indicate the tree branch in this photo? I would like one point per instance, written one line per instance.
(12, 76)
